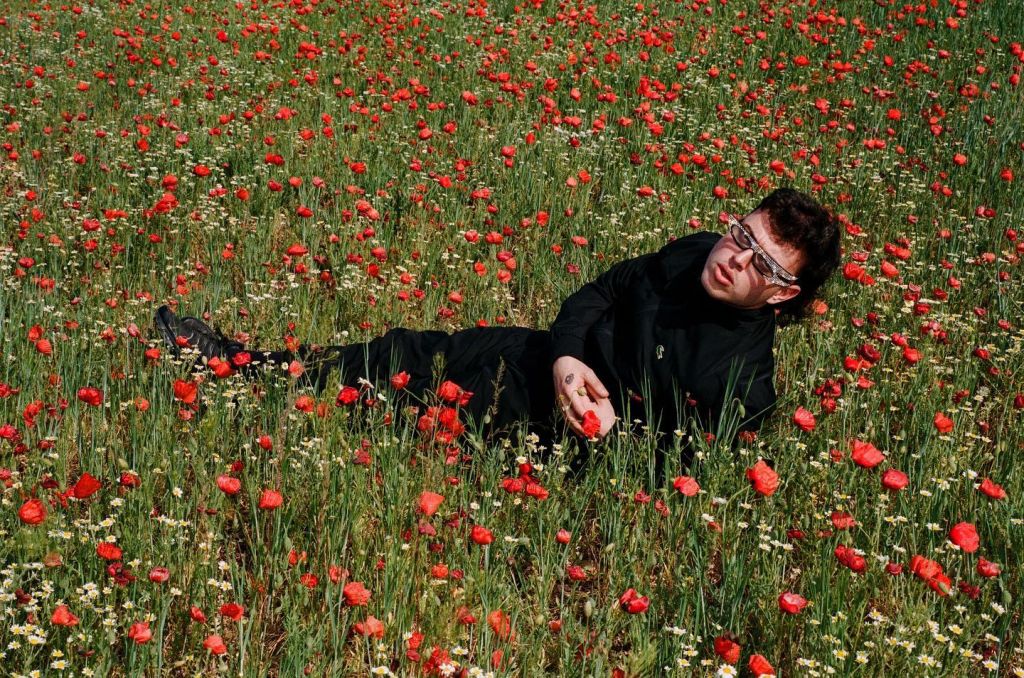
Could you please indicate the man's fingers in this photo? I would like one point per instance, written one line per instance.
(595, 386)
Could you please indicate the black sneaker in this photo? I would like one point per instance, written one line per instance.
(210, 343)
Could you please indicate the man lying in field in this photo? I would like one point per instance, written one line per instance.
(659, 338)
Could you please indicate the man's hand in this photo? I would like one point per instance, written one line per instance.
(577, 390)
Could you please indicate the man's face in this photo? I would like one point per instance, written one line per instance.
(730, 276)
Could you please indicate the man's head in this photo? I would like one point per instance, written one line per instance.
(779, 254)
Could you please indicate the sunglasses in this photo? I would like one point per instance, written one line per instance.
(770, 269)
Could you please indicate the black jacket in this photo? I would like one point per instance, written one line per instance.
(648, 327)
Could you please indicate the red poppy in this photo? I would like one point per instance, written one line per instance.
(140, 633)
(371, 627)
(185, 391)
(686, 486)
(221, 368)
(728, 649)
(400, 380)
(85, 487)
(842, 520)
(500, 624)
(537, 491)
(62, 616)
(894, 480)
(764, 480)
(988, 569)
(232, 611)
(792, 603)
(591, 424)
(481, 535)
(804, 419)
(931, 572)
(215, 645)
(356, 595)
(159, 575)
(850, 558)
(90, 395)
(451, 392)
(866, 454)
(32, 512)
(943, 424)
(347, 396)
(270, 500)
(229, 485)
(429, 503)
(108, 551)
(992, 490)
(633, 603)
(965, 535)
(759, 666)
(563, 536)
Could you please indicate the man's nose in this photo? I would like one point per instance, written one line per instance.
(742, 258)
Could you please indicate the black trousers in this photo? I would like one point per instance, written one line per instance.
(508, 370)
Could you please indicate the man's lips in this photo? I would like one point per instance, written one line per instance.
(722, 275)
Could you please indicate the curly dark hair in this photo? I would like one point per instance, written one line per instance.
(799, 221)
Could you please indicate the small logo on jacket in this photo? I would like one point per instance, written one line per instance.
(659, 351)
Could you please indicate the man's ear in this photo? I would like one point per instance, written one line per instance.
(784, 294)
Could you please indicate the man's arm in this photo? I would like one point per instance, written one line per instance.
(586, 306)
(576, 386)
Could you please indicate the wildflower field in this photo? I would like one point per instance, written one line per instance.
(323, 170)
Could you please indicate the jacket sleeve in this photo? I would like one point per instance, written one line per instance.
(586, 306)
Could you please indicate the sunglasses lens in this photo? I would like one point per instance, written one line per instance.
(740, 237)
(762, 266)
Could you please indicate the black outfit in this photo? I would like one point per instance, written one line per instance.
(646, 327)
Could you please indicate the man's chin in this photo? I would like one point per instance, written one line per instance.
(712, 288)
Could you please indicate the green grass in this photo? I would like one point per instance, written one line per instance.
(711, 565)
